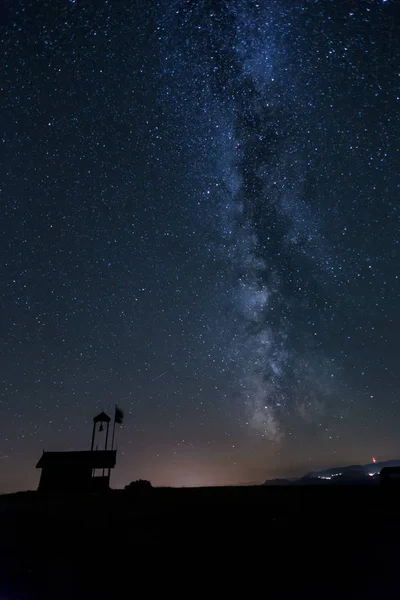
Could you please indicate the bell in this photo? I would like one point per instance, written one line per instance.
(101, 427)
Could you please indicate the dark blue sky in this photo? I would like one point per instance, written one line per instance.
(200, 222)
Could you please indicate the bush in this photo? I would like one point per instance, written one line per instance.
(139, 486)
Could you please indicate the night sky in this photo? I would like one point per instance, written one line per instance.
(200, 222)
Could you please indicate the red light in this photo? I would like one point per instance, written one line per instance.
(373, 460)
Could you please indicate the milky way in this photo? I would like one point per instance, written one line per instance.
(253, 110)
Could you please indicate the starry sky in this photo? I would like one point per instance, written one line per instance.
(200, 222)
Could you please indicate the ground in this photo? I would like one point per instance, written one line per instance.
(340, 542)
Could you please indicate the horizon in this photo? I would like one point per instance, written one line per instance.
(188, 480)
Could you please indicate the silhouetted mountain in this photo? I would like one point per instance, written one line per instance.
(350, 474)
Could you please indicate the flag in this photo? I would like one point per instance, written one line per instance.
(119, 415)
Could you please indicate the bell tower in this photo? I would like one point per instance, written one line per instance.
(98, 426)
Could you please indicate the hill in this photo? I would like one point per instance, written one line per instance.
(335, 541)
(367, 474)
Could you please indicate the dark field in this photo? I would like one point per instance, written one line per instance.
(286, 542)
